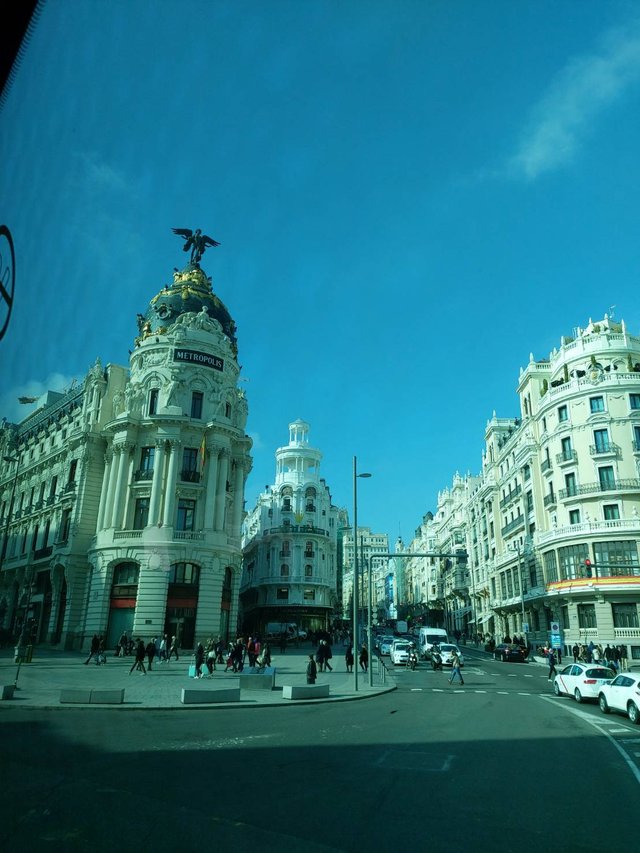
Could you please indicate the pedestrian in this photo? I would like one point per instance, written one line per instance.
(138, 662)
(95, 647)
(211, 660)
(320, 656)
(364, 657)
(348, 658)
(251, 651)
(173, 649)
(163, 649)
(551, 658)
(455, 669)
(265, 657)
(328, 654)
(576, 652)
(151, 652)
(199, 659)
(312, 671)
(101, 657)
(622, 657)
(283, 643)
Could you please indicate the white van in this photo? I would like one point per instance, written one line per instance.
(429, 637)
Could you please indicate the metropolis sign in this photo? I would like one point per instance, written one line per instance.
(201, 358)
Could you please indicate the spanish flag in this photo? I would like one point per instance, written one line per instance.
(203, 450)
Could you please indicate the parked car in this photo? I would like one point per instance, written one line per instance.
(447, 651)
(399, 652)
(582, 680)
(385, 645)
(622, 694)
(510, 652)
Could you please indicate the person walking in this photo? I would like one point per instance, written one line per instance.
(312, 671)
(327, 654)
(173, 649)
(576, 652)
(95, 647)
(551, 658)
(151, 652)
(320, 656)
(163, 649)
(364, 657)
(348, 658)
(199, 659)
(455, 669)
(138, 663)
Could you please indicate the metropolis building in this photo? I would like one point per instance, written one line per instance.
(121, 500)
(551, 526)
(290, 559)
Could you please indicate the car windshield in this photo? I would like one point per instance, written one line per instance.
(401, 647)
(445, 647)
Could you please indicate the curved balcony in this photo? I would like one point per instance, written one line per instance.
(629, 485)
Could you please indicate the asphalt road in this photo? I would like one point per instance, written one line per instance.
(501, 765)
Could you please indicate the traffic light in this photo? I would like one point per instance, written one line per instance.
(461, 559)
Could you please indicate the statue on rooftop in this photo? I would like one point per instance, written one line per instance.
(196, 241)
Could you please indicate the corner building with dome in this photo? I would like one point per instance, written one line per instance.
(121, 500)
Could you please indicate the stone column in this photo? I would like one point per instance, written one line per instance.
(104, 490)
(221, 489)
(123, 458)
(111, 488)
(210, 492)
(238, 495)
(156, 483)
(168, 518)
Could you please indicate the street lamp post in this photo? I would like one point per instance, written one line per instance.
(355, 570)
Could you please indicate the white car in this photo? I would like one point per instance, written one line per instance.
(447, 651)
(622, 694)
(582, 680)
(386, 644)
(399, 652)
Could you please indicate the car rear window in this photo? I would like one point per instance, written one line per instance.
(599, 673)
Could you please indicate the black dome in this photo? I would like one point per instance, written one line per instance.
(190, 292)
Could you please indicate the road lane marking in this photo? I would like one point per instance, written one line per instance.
(502, 692)
(416, 689)
(524, 694)
(599, 727)
(479, 691)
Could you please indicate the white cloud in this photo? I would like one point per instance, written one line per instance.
(581, 91)
(14, 411)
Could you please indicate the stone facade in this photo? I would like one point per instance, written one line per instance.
(290, 564)
(124, 506)
(552, 523)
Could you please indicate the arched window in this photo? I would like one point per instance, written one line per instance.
(308, 549)
(284, 571)
(126, 574)
(308, 571)
(309, 499)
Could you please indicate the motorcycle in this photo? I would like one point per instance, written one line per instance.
(412, 660)
(436, 660)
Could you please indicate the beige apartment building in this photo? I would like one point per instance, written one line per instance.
(552, 524)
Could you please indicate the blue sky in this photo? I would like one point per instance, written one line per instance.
(411, 197)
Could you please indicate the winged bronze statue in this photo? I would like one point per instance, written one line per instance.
(196, 241)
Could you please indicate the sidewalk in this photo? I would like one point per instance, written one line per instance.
(40, 682)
